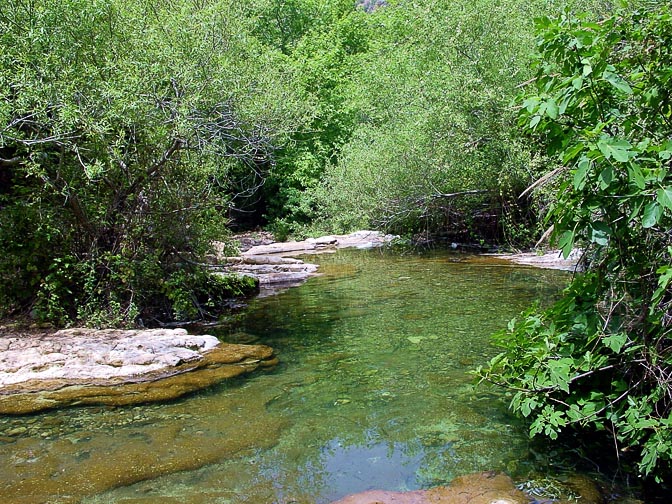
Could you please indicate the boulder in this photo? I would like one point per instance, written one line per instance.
(481, 488)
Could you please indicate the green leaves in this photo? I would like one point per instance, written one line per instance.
(559, 373)
(600, 233)
(615, 341)
(664, 197)
(617, 81)
(566, 243)
(652, 214)
(127, 117)
(618, 150)
(596, 355)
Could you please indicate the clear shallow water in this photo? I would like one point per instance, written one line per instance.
(372, 392)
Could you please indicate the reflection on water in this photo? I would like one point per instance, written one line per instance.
(371, 392)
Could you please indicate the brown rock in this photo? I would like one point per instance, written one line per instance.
(35, 470)
(482, 488)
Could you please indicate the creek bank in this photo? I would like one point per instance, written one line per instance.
(43, 370)
(275, 264)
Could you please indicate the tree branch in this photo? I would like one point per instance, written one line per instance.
(6, 163)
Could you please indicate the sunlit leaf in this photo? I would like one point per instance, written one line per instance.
(566, 243)
(664, 197)
(652, 213)
(552, 108)
(618, 150)
(580, 173)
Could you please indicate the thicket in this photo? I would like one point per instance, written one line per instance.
(436, 146)
(600, 359)
(128, 130)
(132, 134)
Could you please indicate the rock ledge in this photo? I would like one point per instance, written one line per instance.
(275, 264)
(116, 367)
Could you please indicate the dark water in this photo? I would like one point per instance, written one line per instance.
(372, 390)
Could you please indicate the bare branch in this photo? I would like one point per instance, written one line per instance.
(6, 163)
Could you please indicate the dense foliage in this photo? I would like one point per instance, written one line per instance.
(127, 129)
(435, 146)
(601, 358)
(133, 133)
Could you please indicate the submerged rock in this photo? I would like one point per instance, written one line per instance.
(121, 447)
(482, 488)
(115, 367)
(489, 488)
(552, 259)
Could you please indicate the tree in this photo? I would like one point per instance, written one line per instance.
(127, 130)
(435, 146)
(600, 359)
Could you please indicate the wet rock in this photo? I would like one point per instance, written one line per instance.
(586, 488)
(552, 259)
(115, 367)
(485, 488)
(482, 488)
(51, 470)
(17, 431)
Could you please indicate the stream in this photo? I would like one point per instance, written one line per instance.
(372, 391)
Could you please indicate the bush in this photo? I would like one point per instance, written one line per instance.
(600, 359)
(128, 130)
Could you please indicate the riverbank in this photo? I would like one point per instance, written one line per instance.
(42, 369)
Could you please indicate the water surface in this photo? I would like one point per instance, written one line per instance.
(372, 392)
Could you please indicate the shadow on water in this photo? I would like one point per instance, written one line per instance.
(372, 392)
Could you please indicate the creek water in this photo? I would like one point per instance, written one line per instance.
(372, 391)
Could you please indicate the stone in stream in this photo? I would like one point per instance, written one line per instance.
(482, 488)
(115, 367)
(273, 265)
(63, 469)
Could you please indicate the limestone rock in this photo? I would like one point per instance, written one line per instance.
(552, 259)
(82, 366)
(274, 265)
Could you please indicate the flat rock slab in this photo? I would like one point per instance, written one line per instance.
(359, 239)
(553, 259)
(273, 263)
(116, 367)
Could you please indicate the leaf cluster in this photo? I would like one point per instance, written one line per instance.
(128, 132)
